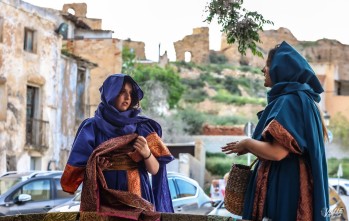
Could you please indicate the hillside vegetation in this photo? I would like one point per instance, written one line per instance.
(185, 96)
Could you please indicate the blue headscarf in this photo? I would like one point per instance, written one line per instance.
(292, 103)
(111, 121)
(289, 67)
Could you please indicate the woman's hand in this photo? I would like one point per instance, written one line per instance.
(104, 163)
(262, 149)
(238, 147)
(141, 145)
(151, 163)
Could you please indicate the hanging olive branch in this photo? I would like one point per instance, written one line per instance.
(239, 24)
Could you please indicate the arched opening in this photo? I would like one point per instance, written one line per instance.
(71, 11)
(187, 56)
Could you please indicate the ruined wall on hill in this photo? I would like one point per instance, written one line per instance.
(324, 51)
(197, 44)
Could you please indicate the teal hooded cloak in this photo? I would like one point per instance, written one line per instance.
(298, 184)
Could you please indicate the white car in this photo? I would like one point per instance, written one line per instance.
(186, 194)
(336, 205)
(220, 210)
(339, 184)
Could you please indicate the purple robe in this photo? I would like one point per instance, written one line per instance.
(109, 123)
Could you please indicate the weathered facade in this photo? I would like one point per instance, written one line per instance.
(136, 47)
(52, 65)
(89, 41)
(328, 58)
(38, 87)
(196, 44)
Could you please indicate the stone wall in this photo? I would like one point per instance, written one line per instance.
(21, 68)
(329, 59)
(196, 44)
(222, 130)
(80, 10)
(107, 54)
(53, 78)
(138, 47)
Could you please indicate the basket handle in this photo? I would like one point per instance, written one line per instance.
(253, 162)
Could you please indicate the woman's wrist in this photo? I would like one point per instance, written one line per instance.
(145, 158)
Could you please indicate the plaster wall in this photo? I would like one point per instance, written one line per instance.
(107, 54)
(43, 69)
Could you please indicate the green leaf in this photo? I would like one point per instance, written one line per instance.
(239, 24)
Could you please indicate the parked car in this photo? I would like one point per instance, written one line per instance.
(220, 210)
(73, 205)
(31, 192)
(341, 185)
(186, 194)
(337, 208)
(10, 178)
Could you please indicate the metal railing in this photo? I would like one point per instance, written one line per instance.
(37, 133)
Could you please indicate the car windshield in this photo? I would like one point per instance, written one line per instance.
(6, 183)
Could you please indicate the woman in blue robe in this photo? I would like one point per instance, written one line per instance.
(117, 116)
(290, 181)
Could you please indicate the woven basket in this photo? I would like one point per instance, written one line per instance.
(236, 186)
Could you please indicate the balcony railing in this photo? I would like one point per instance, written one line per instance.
(37, 133)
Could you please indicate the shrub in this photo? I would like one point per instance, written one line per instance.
(218, 164)
(216, 58)
(332, 167)
(340, 129)
(194, 120)
(168, 77)
(195, 95)
(224, 96)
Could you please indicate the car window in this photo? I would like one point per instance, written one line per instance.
(185, 189)
(60, 194)
(6, 183)
(172, 187)
(38, 189)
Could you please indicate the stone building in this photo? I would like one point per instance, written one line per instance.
(89, 41)
(196, 44)
(328, 58)
(42, 91)
(52, 63)
(136, 47)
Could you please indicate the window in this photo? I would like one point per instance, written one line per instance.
(342, 88)
(29, 40)
(185, 189)
(36, 128)
(38, 189)
(80, 96)
(3, 99)
(172, 187)
(32, 105)
(187, 56)
(59, 191)
(35, 163)
(1, 29)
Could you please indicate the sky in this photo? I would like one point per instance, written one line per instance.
(163, 22)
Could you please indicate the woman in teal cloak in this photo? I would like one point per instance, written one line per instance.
(290, 180)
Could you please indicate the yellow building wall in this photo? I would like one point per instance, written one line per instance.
(334, 104)
(106, 53)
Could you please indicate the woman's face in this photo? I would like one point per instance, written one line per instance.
(124, 99)
(267, 80)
